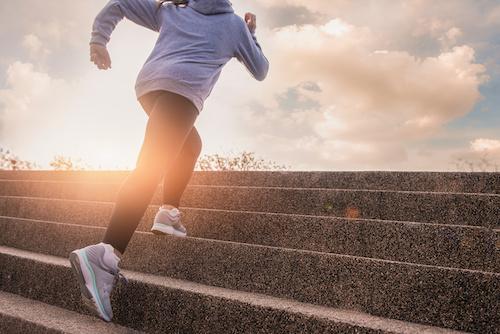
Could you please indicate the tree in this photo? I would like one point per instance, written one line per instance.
(61, 162)
(244, 161)
(10, 161)
(482, 163)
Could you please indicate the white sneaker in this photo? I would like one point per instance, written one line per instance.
(96, 269)
(168, 221)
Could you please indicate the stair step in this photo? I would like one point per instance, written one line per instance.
(444, 245)
(384, 288)
(159, 304)
(417, 181)
(21, 315)
(426, 207)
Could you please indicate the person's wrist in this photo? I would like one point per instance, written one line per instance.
(98, 39)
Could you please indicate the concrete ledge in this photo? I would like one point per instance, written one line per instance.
(444, 208)
(164, 305)
(416, 181)
(443, 245)
(446, 297)
(21, 315)
(278, 233)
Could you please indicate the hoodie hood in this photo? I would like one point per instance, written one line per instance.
(211, 7)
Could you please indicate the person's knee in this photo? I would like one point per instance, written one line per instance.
(196, 147)
(150, 171)
(193, 145)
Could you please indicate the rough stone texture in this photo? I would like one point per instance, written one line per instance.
(384, 288)
(280, 234)
(21, 315)
(443, 208)
(443, 245)
(164, 305)
(13, 325)
(412, 181)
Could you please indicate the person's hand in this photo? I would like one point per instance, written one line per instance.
(251, 21)
(99, 56)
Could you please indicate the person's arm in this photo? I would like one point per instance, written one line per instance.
(142, 12)
(249, 51)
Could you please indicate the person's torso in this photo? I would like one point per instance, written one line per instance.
(191, 48)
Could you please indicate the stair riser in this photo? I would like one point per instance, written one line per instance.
(394, 290)
(410, 181)
(159, 309)
(12, 325)
(457, 209)
(450, 246)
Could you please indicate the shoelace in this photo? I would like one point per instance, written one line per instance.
(178, 213)
(119, 278)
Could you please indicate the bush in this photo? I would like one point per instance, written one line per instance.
(61, 162)
(244, 161)
(482, 163)
(9, 161)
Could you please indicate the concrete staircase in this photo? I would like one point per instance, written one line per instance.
(268, 252)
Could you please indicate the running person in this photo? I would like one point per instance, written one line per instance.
(196, 39)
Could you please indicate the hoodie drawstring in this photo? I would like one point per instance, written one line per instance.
(182, 3)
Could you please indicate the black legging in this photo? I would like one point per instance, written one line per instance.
(171, 147)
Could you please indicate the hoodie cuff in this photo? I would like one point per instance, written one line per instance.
(98, 39)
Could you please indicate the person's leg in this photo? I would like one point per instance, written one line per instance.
(170, 122)
(148, 100)
(178, 175)
(180, 172)
(168, 218)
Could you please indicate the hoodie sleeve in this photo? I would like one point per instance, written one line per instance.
(249, 52)
(142, 12)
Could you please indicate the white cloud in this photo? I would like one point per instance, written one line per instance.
(390, 75)
(42, 116)
(482, 155)
(31, 105)
(494, 16)
(336, 27)
(36, 48)
(485, 144)
(374, 105)
(93, 116)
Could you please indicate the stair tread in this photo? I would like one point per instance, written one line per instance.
(263, 213)
(461, 181)
(307, 189)
(249, 247)
(51, 317)
(388, 289)
(350, 317)
(428, 207)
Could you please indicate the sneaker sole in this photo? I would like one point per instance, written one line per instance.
(85, 274)
(161, 229)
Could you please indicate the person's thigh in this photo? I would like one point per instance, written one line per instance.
(171, 120)
(148, 100)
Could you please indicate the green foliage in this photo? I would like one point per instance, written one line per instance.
(9, 161)
(244, 161)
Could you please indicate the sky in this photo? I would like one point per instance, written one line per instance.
(353, 85)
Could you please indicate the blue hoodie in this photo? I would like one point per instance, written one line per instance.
(194, 44)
